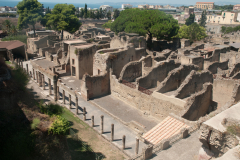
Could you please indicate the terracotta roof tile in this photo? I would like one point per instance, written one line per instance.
(11, 44)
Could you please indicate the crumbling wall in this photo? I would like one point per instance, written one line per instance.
(144, 102)
(131, 71)
(52, 50)
(95, 86)
(157, 74)
(215, 65)
(193, 60)
(222, 91)
(123, 41)
(147, 64)
(193, 83)
(175, 78)
(198, 104)
(234, 69)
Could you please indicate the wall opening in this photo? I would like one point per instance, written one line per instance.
(73, 71)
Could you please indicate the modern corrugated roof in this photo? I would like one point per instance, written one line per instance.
(164, 130)
(11, 44)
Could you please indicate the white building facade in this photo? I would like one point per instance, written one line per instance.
(107, 8)
(126, 6)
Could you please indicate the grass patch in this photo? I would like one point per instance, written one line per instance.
(234, 129)
(35, 123)
(20, 77)
(22, 38)
(7, 62)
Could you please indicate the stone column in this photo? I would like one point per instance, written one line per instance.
(92, 121)
(55, 87)
(40, 79)
(84, 113)
(63, 95)
(137, 145)
(27, 67)
(76, 105)
(70, 101)
(43, 82)
(58, 93)
(49, 86)
(112, 132)
(33, 74)
(37, 75)
(123, 140)
(102, 117)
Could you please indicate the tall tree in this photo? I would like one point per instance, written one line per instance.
(203, 19)
(30, 12)
(109, 15)
(152, 22)
(63, 18)
(81, 12)
(190, 20)
(6, 26)
(194, 32)
(85, 11)
(101, 13)
(98, 14)
(116, 14)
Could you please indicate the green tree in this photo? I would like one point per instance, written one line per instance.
(223, 29)
(190, 20)
(97, 14)
(101, 15)
(107, 24)
(6, 25)
(81, 12)
(194, 32)
(109, 16)
(30, 12)
(85, 11)
(116, 14)
(152, 22)
(203, 19)
(63, 18)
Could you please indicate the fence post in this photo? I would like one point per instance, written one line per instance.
(37, 75)
(40, 79)
(76, 104)
(49, 86)
(33, 74)
(123, 140)
(92, 121)
(27, 67)
(70, 102)
(112, 132)
(102, 124)
(137, 145)
(63, 96)
(43, 82)
(58, 93)
(84, 113)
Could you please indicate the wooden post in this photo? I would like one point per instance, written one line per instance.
(43, 82)
(102, 117)
(84, 113)
(40, 79)
(37, 75)
(58, 93)
(92, 121)
(49, 86)
(76, 105)
(112, 132)
(33, 74)
(137, 145)
(70, 102)
(63, 96)
(123, 140)
(55, 87)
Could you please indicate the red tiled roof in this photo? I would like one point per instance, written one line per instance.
(11, 44)
(164, 130)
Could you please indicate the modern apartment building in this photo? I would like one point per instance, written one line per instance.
(225, 18)
(126, 6)
(107, 7)
(236, 7)
(204, 5)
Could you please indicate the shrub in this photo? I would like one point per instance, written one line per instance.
(21, 78)
(35, 123)
(234, 129)
(51, 109)
(60, 126)
(22, 38)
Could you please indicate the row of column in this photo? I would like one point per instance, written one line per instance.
(41, 81)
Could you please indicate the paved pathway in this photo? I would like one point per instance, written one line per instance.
(119, 128)
(185, 149)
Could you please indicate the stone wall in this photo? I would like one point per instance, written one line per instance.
(123, 41)
(198, 104)
(175, 78)
(193, 60)
(147, 103)
(215, 65)
(131, 71)
(193, 83)
(157, 74)
(234, 69)
(52, 50)
(95, 86)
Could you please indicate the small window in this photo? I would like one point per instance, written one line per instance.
(72, 61)
(99, 71)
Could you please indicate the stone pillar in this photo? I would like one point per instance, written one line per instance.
(137, 145)
(40, 79)
(76, 105)
(27, 67)
(70, 101)
(123, 140)
(22, 64)
(33, 74)
(92, 121)
(84, 113)
(55, 87)
(37, 75)
(58, 93)
(102, 117)
(49, 86)
(112, 132)
(63, 95)
(43, 82)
